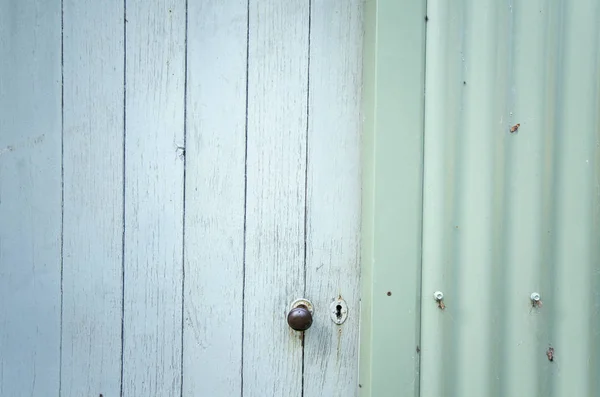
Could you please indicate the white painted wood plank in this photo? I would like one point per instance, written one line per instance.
(155, 77)
(30, 197)
(214, 215)
(274, 272)
(93, 198)
(333, 199)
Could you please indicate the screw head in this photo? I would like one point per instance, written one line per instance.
(535, 297)
(438, 295)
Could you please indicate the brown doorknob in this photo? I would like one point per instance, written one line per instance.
(300, 316)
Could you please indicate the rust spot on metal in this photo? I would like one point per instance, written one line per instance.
(439, 298)
(339, 343)
(550, 353)
(514, 128)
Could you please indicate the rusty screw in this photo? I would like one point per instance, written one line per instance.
(536, 299)
(439, 298)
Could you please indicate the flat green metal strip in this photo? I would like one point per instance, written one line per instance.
(394, 67)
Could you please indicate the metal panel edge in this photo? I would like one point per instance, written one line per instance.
(393, 97)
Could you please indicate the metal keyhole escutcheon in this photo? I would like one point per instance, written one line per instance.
(300, 316)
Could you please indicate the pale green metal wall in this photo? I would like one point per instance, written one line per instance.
(504, 214)
(508, 214)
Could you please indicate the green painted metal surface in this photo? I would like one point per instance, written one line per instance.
(392, 180)
(511, 199)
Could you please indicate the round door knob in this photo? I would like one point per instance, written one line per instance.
(300, 317)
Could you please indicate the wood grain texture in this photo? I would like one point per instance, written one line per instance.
(93, 197)
(277, 114)
(333, 199)
(155, 77)
(215, 161)
(30, 197)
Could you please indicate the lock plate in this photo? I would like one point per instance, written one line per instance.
(302, 302)
(338, 311)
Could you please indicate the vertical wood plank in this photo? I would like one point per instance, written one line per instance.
(333, 199)
(214, 216)
(155, 77)
(275, 238)
(30, 197)
(93, 197)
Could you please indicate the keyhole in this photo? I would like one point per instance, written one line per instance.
(338, 311)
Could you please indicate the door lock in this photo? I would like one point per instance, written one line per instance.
(300, 316)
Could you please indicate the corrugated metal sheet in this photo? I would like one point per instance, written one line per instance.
(508, 213)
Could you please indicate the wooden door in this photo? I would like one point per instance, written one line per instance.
(173, 175)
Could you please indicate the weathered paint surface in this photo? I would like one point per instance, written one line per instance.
(332, 261)
(30, 197)
(275, 201)
(153, 197)
(93, 198)
(214, 208)
(508, 213)
(208, 169)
